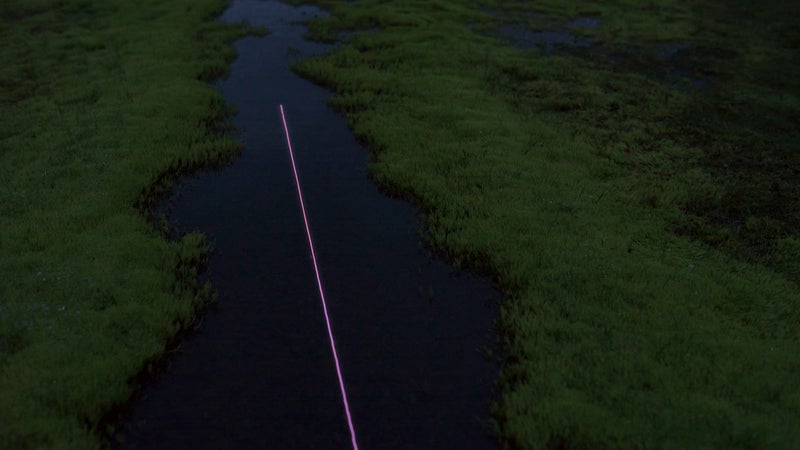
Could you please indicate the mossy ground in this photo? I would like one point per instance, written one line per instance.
(642, 225)
(636, 200)
(101, 104)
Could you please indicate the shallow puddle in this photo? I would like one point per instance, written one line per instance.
(528, 30)
(519, 36)
(259, 373)
(585, 23)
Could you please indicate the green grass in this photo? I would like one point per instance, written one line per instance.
(101, 104)
(644, 233)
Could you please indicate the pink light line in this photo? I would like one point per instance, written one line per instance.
(319, 284)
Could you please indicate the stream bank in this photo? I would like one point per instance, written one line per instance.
(411, 333)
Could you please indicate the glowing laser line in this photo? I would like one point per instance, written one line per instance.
(319, 284)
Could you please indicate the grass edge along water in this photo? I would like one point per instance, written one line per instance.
(617, 334)
(566, 178)
(104, 104)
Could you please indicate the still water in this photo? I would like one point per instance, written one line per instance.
(259, 373)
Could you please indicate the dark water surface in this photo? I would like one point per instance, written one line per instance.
(260, 374)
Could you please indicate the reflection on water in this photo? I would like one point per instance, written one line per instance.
(259, 374)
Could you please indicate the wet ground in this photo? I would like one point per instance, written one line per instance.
(259, 373)
(672, 62)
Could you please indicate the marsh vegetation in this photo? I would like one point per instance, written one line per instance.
(630, 185)
(101, 104)
(635, 198)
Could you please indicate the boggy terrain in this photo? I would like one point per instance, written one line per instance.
(629, 180)
(627, 173)
(102, 103)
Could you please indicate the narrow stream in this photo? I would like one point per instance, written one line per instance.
(259, 373)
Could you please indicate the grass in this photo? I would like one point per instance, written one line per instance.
(102, 104)
(643, 230)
